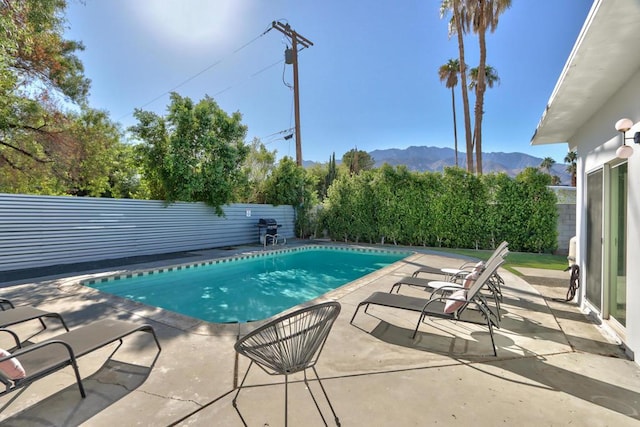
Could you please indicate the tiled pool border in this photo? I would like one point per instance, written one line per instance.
(234, 258)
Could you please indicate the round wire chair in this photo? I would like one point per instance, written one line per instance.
(290, 344)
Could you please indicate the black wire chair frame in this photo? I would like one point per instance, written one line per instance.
(290, 344)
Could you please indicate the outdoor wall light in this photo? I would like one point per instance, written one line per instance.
(625, 151)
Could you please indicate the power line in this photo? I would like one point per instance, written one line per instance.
(269, 28)
(277, 133)
(262, 70)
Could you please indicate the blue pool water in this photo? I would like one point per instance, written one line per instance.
(249, 288)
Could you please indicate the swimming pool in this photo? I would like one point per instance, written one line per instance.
(251, 287)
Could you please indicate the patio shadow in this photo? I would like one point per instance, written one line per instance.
(450, 343)
(592, 390)
(112, 382)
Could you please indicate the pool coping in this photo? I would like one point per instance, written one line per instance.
(77, 285)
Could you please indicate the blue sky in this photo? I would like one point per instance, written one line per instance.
(369, 81)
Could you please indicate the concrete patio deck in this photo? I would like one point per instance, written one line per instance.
(554, 365)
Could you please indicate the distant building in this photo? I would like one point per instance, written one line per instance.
(599, 85)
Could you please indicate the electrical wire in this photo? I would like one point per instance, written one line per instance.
(283, 80)
(275, 136)
(277, 133)
(204, 71)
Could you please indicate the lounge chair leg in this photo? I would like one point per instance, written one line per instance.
(356, 312)
(422, 316)
(61, 321)
(155, 337)
(493, 344)
(57, 316)
(76, 371)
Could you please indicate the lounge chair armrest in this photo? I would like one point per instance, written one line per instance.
(468, 264)
(442, 290)
(13, 335)
(426, 270)
(440, 299)
(44, 345)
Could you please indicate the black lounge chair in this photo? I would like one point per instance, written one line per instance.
(455, 273)
(290, 344)
(46, 357)
(17, 315)
(450, 307)
(493, 284)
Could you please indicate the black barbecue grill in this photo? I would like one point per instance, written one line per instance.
(270, 227)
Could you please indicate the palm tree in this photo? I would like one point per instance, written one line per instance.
(448, 74)
(483, 14)
(490, 74)
(460, 25)
(547, 163)
(491, 78)
(571, 158)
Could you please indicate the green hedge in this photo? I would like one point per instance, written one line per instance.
(453, 209)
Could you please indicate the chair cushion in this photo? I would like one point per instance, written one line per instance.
(12, 368)
(455, 301)
(470, 278)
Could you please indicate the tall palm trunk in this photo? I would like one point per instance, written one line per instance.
(463, 78)
(477, 136)
(455, 125)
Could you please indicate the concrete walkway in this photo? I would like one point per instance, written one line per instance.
(554, 366)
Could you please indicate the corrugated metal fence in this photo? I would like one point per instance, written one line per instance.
(38, 231)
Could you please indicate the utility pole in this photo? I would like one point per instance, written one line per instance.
(291, 57)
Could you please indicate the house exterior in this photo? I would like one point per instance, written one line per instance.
(599, 85)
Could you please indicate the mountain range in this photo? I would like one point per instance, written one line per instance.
(435, 159)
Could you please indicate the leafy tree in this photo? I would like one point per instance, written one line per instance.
(91, 162)
(195, 153)
(324, 174)
(357, 160)
(463, 203)
(538, 210)
(257, 167)
(38, 70)
(501, 196)
(448, 74)
(572, 160)
(82, 163)
(319, 173)
(348, 212)
(125, 179)
(290, 184)
(332, 172)
(399, 204)
(452, 209)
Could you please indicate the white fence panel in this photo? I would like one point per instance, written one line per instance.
(37, 231)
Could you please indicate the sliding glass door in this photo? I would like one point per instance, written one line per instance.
(593, 261)
(617, 296)
(606, 249)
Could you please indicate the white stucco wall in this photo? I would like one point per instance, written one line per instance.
(596, 143)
